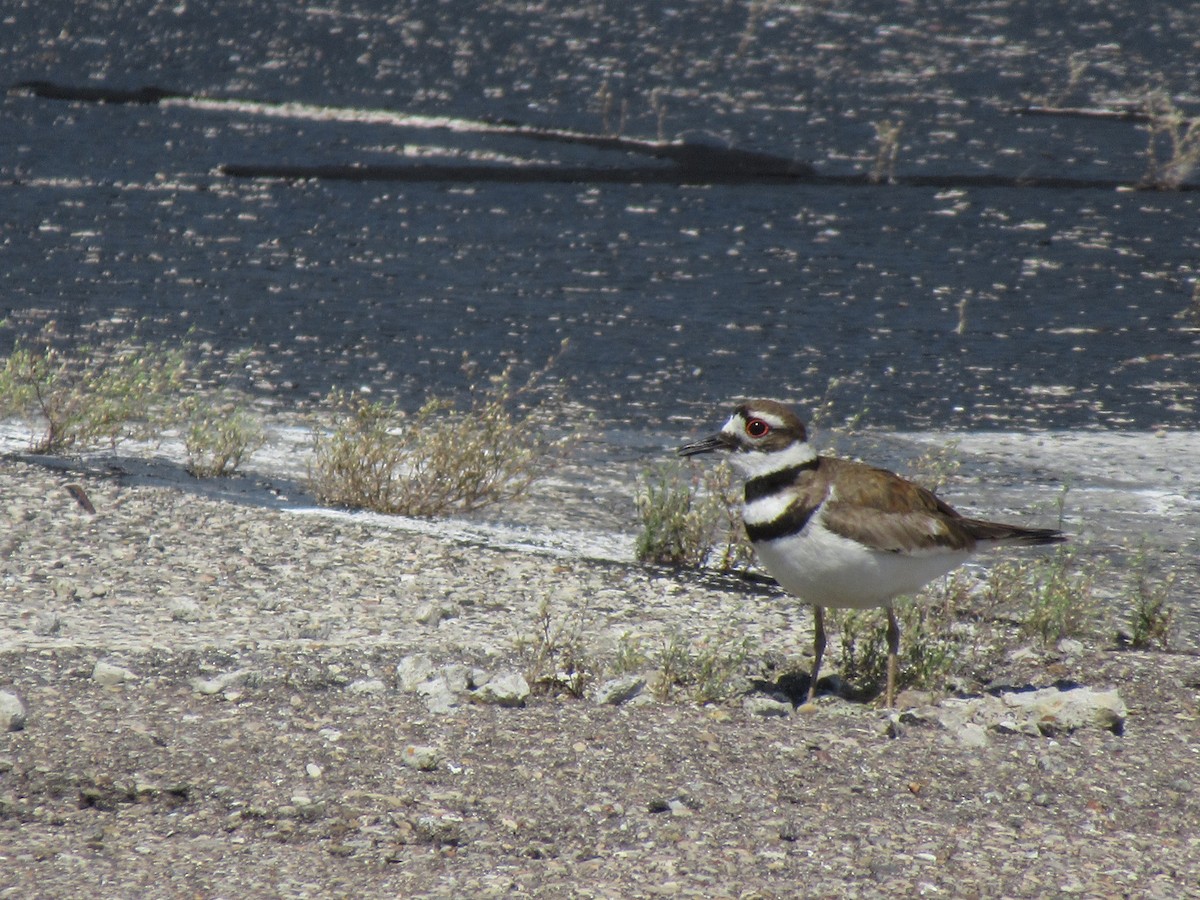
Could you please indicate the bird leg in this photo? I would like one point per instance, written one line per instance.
(893, 639)
(818, 649)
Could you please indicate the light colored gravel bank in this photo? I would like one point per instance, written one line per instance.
(215, 705)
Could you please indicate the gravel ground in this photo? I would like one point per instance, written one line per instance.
(213, 710)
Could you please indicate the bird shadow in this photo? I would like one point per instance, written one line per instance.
(793, 687)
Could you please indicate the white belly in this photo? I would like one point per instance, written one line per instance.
(825, 569)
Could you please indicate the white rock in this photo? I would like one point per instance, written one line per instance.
(971, 735)
(1044, 712)
(367, 686)
(108, 674)
(47, 622)
(437, 696)
(619, 690)
(457, 677)
(185, 609)
(224, 682)
(12, 712)
(1070, 647)
(428, 614)
(413, 671)
(766, 706)
(425, 759)
(433, 612)
(1054, 711)
(508, 689)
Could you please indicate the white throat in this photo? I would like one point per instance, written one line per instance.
(752, 464)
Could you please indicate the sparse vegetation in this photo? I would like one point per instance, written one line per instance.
(929, 647)
(677, 522)
(442, 458)
(1061, 600)
(556, 657)
(608, 103)
(956, 627)
(706, 671)
(887, 150)
(1172, 142)
(219, 436)
(1151, 614)
(94, 397)
(1058, 95)
(827, 416)
(936, 467)
(1190, 314)
(658, 106)
(691, 517)
(630, 656)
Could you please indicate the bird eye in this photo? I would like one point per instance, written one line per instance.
(757, 428)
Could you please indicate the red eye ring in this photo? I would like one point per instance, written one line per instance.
(757, 428)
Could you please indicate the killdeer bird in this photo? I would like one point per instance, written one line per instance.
(844, 534)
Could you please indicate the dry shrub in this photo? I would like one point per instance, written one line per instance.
(442, 458)
(93, 396)
(691, 518)
(219, 435)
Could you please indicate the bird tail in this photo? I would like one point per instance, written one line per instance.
(999, 533)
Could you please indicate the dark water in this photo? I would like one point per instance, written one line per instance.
(947, 306)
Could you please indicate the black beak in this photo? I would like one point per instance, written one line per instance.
(718, 441)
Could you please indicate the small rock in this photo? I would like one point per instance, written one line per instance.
(439, 830)
(64, 591)
(46, 623)
(413, 671)
(457, 676)
(305, 807)
(432, 613)
(912, 699)
(1051, 764)
(106, 673)
(766, 706)
(234, 679)
(1070, 647)
(367, 686)
(424, 759)
(1038, 713)
(510, 689)
(12, 712)
(185, 609)
(311, 628)
(427, 614)
(619, 690)
(1022, 654)
(1055, 711)
(971, 735)
(312, 770)
(437, 696)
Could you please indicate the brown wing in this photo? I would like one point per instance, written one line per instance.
(882, 510)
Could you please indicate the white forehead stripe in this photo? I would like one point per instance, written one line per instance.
(737, 422)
